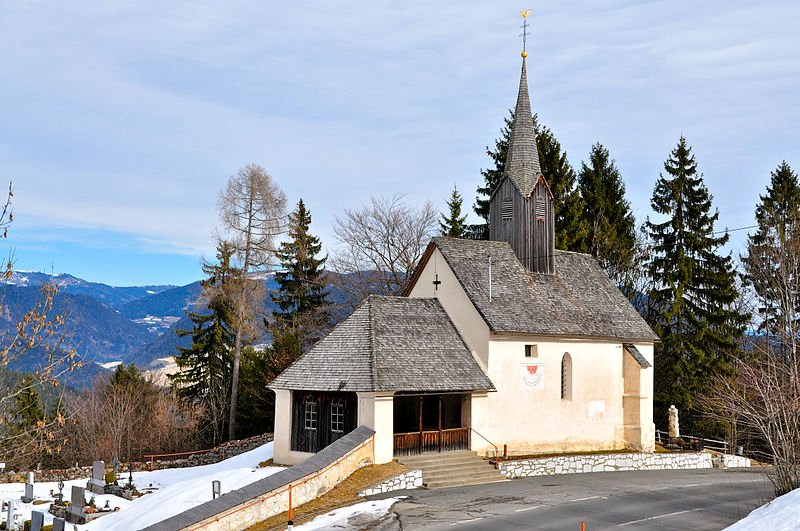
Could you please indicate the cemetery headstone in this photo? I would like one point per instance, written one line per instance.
(28, 497)
(60, 493)
(97, 483)
(37, 521)
(216, 489)
(77, 501)
(10, 514)
(58, 524)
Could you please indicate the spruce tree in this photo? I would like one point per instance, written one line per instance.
(492, 177)
(611, 235)
(452, 224)
(301, 316)
(571, 228)
(692, 299)
(773, 259)
(206, 366)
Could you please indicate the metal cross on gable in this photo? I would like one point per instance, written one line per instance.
(525, 14)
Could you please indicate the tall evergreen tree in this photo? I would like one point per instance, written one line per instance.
(611, 235)
(206, 366)
(452, 224)
(693, 294)
(571, 228)
(302, 296)
(772, 262)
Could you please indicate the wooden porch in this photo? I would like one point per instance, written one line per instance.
(430, 423)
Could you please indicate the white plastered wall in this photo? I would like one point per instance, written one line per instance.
(376, 411)
(281, 450)
(537, 419)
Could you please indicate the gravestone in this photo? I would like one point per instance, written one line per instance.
(10, 515)
(58, 524)
(28, 497)
(37, 521)
(216, 489)
(77, 502)
(97, 483)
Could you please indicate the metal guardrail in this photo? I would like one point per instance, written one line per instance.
(711, 444)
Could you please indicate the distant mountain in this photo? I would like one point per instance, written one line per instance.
(158, 312)
(111, 296)
(92, 328)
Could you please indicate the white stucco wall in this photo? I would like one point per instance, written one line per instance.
(376, 411)
(282, 453)
(537, 419)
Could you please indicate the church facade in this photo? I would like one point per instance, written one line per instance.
(503, 342)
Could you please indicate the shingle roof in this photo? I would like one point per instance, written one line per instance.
(522, 159)
(579, 300)
(389, 344)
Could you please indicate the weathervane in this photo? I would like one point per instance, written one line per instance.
(525, 14)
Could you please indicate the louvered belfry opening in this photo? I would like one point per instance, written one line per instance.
(521, 208)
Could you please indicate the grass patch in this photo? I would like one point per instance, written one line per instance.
(344, 494)
(265, 464)
(567, 454)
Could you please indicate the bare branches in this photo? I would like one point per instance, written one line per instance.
(381, 244)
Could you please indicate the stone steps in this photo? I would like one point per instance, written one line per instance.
(452, 469)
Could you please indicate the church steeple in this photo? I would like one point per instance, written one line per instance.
(522, 159)
(521, 208)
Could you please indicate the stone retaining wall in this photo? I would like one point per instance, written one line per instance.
(411, 479)
(577, 464)
(734, 461)
(253, 503)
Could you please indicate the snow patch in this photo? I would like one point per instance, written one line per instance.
(781, 514)
(338, 519)
(110, 365)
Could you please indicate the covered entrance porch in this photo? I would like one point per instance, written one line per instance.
(431, 422)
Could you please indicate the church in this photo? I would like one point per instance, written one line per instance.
(505, 342)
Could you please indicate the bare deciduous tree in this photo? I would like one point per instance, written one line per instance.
(381, 243)
(252, 211)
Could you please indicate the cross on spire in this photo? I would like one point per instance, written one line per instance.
(525, 14)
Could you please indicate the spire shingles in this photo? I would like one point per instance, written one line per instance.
(522, 161)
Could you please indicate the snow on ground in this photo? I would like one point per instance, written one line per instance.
(337, 519)
(174, 490)
(781, 514)
(110, 364)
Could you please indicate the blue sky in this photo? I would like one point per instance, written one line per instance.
(121, 121)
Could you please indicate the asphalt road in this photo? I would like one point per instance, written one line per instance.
(652, 500)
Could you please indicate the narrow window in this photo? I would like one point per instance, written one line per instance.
(566, 377)
(531, 351)
(337, 415)
(541, 206)
(311, 413)
(507, 210)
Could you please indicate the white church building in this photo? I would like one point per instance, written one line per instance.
(503, 342)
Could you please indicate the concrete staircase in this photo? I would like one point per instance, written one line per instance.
(452, 469)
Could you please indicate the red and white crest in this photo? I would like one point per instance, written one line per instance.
(532, 374)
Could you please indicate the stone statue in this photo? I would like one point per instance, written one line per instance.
(674, 426)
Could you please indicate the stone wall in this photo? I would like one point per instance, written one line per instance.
(411, 479)
(577, 464)
(734, 461)
(241, 508)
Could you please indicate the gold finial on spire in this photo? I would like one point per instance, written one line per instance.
(525, 14)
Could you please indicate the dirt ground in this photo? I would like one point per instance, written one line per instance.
(344, 494)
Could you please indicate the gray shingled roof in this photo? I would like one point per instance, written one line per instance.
(389, 344)
(578, 301)
(522, 160)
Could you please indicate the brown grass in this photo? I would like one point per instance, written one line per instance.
(565, 454)
(344, 494)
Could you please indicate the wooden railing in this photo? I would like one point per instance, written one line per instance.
(445, 440)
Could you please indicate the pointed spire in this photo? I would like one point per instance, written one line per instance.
(522, 161)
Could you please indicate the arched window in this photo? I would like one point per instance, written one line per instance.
(311, 413)
(566, 377)
(337, 415)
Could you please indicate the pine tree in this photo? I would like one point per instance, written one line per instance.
(611, 236)
(773, 259)
(302, 296)
(571, 229)
(206, 366)
(452, 224)
(693, 294)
